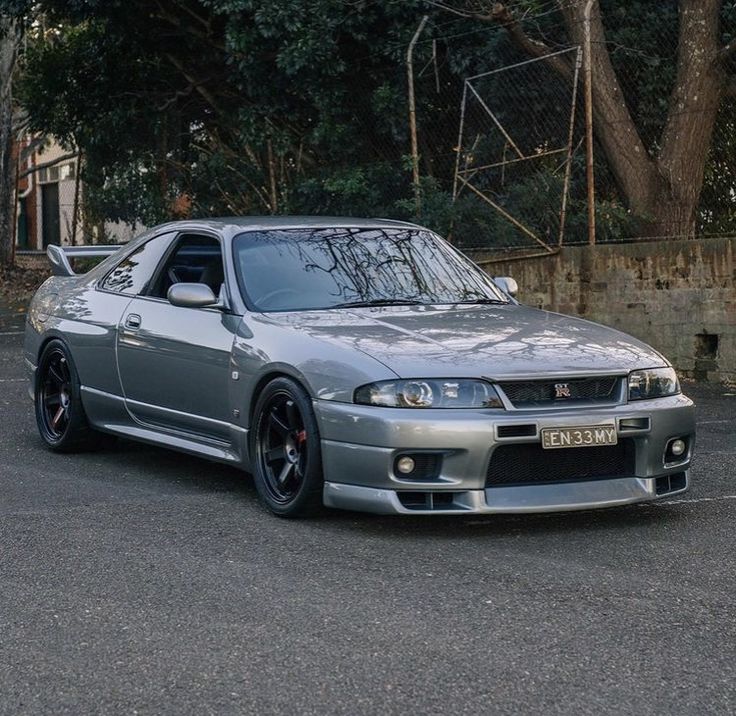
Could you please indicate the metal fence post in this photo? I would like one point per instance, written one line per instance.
(75, 209)
(590, 173)
(413, 113)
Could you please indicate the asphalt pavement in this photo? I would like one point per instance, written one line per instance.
(134, 580)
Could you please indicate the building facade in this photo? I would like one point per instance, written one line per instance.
(50, 199)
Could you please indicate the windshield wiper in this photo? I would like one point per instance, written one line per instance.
(379, 302)
(491, 301)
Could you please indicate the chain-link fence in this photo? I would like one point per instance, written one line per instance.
(517, 130)
(515, 149)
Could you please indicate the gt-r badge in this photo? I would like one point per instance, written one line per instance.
(562, 390)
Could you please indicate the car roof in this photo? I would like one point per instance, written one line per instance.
(234, 224)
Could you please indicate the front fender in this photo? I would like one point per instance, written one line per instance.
(328, 371)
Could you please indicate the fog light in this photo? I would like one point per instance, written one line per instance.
(678, 447)
(405, 465)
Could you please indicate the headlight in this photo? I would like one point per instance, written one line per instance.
(653, 383)
(429, 393)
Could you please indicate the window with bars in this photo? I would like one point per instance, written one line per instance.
(58, 172)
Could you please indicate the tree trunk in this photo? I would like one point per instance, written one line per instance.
(693, 109)
(631, 165)
(9, 40)
(663, 189)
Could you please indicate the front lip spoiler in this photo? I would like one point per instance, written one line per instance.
(527, 499)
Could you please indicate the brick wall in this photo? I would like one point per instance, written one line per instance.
(678, 296)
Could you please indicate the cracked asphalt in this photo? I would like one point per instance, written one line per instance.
(139, 581)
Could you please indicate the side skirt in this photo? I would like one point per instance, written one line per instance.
(108, 413)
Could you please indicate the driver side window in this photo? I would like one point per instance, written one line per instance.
(194, 259)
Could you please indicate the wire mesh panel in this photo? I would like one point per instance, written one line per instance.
(515, 148)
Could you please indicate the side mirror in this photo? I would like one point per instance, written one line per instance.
(507, 285)
(191, 295)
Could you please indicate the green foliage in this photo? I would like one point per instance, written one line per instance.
(299, 106)
(718, 215)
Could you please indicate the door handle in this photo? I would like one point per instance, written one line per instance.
(133, 321)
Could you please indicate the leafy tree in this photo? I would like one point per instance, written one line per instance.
(237, 103)
(285, 106)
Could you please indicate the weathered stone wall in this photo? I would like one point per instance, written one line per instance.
(679, 296)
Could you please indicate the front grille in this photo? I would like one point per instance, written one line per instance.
(531, 464)
(535, 392)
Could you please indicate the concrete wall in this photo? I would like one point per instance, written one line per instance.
(679, 296)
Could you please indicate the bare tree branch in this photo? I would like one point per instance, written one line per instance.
(177, 95)
(501, 15)
(206, 23)
(455, 10)
(21, 121)
(176, 22)
(50, 163)
(197, 84)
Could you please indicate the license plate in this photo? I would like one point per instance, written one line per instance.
(580, 436)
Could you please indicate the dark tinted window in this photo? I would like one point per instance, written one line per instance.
(133, 273)
(299, 269)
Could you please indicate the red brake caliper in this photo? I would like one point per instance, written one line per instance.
(301, 436)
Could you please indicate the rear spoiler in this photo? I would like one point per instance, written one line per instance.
(59, 256)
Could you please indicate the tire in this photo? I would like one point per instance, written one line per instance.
(286, 450)
(60, 416)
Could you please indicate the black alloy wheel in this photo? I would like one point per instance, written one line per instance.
(286, 450)
(56, 386)
(59, 413)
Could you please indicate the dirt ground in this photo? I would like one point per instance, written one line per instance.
(17, 285)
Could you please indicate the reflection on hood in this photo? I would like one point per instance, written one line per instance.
(489, 341)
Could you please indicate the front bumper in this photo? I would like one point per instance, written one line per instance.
(557, 497)
(360, 445)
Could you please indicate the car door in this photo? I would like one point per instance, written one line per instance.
(174, 362)
(99, 308)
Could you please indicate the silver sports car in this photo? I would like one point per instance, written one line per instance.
(359, 364)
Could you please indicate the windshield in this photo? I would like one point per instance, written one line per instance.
(306, 269)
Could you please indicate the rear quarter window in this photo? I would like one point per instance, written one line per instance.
(132, 274)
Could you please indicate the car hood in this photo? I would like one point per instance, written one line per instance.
(497, 342)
